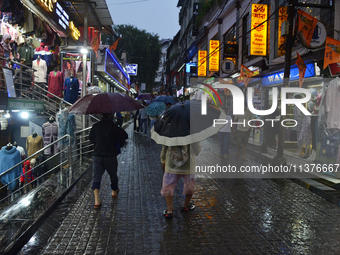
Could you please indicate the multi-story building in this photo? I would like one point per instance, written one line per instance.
(160, 80)
(231, 33)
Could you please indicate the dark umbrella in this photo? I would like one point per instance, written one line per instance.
(146, 96)
(164, 99)
(104, 103)
(184, 124)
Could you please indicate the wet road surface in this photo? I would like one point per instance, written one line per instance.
(232, 216)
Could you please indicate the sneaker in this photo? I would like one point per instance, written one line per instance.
(167, 215)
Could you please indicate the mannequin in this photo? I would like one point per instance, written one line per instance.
(50, 134)
(71, 89)
(9, 157)
(21, 150)
(55, 83)
(9, 146)
(34, 143)
(41, 70)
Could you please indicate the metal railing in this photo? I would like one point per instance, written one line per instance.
(60, 164)
(59, 155)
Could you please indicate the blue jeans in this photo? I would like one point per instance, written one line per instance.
(152, 122)
(144, 126)
(224, 138)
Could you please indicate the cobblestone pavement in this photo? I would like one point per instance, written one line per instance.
(233, 216)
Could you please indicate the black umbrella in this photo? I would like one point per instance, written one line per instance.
(184, 124)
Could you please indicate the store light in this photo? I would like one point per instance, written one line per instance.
(7, 115)
(15, 110)
(84, 51)
(24, 115)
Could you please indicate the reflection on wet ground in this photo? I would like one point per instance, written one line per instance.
(233, 216)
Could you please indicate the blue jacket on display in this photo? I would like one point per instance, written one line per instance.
(8, 159)
(71, 90)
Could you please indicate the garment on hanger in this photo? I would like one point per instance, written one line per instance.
(71, 90)
(22, 152)
(55, 84)
(305, 134)
(41, 70)
(26, 52)
(8, 159)
(33, 144)
(332, 104)
(66, 125)
(50, 134)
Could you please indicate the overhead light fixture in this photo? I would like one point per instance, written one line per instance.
(84, 51)
(24, 115)
(7, 115)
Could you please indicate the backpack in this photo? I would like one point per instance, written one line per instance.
(179, 155)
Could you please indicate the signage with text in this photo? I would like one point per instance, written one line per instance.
(283, 16)
(277, 78)
(258, 34)
(214, 59)
(202, 63)
(25, 104)
(57, 13)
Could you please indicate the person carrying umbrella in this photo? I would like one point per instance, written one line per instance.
(107, 138)
(180, 130)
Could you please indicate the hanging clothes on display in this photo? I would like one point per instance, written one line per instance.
(55, 84)
(332, 104)
(41, 70)
(44, 53)
(66, 125)
(27, 52)
(34, 143)
(50, 134)
(21, 150)
(9, 157)
(71, 89)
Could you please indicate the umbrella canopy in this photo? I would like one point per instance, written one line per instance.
(184, 124)
(146, 96)
(164, 99)
(104, 103)
(155, 108)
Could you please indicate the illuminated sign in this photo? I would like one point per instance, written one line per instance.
(283, 16)
(202, 63)
(214, 60)
(48, 4)
(75, 31)
(57, 13)
(258, 34)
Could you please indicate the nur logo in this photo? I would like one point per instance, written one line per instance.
(209, 93)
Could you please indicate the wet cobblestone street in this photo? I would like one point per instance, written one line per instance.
(232, 216)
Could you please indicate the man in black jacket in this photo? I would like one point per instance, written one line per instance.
(107, 138)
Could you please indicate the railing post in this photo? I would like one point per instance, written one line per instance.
(70, 161)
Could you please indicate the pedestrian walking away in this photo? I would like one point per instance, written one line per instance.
(143, 121)
(107, 138)
(178, 162)
(243, 132)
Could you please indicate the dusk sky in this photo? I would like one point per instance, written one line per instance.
(155, 16)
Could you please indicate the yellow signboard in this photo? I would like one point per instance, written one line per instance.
(214, 60)
(202, 63)
(283, 16)
(258, 34)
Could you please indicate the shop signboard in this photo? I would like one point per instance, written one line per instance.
(202, 63)
(214, 59)
(25, 104)
(283, 16)
(227, 66)
(277, 78)
(114, 69)
(334, 69)
(258, 34)
(192, 51)
(57, 13)
(132, 69)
